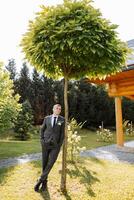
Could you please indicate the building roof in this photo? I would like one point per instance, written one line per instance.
(130, 43)
(130, 61)
(129, 67)
(127, 72)
(121, 83)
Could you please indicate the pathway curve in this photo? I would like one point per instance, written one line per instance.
(113, 153)
(19, 160)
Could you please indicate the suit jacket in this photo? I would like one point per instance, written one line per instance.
(52, 135)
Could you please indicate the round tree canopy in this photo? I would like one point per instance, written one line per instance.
(73, 40)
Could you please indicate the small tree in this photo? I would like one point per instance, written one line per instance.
(24, 122)
(72, 40)
(9, 106)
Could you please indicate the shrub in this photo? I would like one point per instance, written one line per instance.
(128, 128)
(74, 140)
(104, 135)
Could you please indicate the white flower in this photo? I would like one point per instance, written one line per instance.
(74, 136)
(77, 138)
(59, 123)
(70, 132)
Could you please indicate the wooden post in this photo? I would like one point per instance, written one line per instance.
(119, 126)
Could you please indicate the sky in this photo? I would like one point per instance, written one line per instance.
(15, 14)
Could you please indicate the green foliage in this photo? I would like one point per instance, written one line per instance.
(24, 121)
(128, 127)
(90, 103)
(125, 122)
(41, 96)
(34, 131)
(74, 140)
(11, 67)
(23, 83)
(73, 40)
(9, 106)
(127, 108)
(87, 102)
(104, 135)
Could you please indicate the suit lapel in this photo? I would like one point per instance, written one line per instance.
(58, 120)
(50, 120)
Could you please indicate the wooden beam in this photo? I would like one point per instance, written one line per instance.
(118, 77)
(130, 97)
(119, 126)
(125, 88)
(125, 93)
(115, 89)
(126, 82)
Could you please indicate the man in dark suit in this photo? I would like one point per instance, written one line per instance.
(52, 136)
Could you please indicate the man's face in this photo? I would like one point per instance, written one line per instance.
(57, 110)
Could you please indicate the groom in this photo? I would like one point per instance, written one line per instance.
(52, 136)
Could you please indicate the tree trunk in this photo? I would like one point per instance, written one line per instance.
(64, 153)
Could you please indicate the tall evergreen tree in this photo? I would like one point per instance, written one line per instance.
(59, 92)
(49, 94)
(24, 121)
(73, 99)
(11, 67)
(36, 97)
(105, 108)
(94, 105)
(42, 96)
(23, 83)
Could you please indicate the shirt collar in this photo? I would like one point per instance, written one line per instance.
(55, 115)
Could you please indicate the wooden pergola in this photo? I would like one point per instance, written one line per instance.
(120, 84)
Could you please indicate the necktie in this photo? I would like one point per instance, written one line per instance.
(54, 121)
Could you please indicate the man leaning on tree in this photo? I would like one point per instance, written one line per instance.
(52, 136)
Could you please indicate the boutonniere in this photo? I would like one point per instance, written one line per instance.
(59, 123)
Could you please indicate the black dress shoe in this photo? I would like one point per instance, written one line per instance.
(44, 185)
(36, 187)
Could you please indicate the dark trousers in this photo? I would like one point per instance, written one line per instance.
(49, 156)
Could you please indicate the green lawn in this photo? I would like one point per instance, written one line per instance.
(11, 148)
(89, 139)
(89, 179)
(17, 148)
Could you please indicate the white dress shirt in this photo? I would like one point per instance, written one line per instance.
(52, 119)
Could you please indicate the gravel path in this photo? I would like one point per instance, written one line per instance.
(113, 153)
(19, 160)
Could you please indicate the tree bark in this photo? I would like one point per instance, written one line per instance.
(64, 152)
